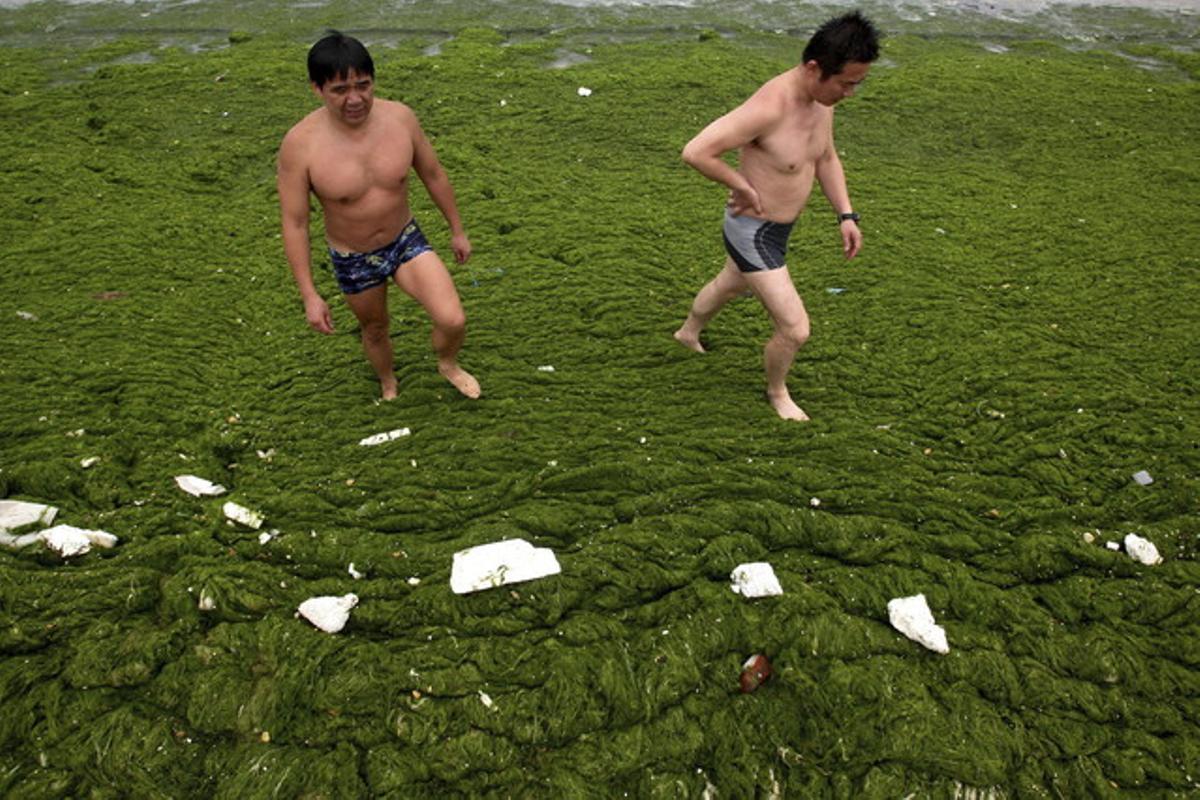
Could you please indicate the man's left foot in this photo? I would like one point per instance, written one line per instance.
(786, 408)
(462, 380)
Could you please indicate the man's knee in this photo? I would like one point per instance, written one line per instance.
(374, 331)
(452, 323)
(796, 334)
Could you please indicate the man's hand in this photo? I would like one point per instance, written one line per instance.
(461, 246)
(316, 311)
(851, 238)
(742, 201)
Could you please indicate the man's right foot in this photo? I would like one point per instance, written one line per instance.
(786, 408)
(461, 379)
(389, 388)
(689, 341)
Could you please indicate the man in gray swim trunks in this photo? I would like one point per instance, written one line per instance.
(784, 133)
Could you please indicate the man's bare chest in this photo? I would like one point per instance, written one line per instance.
(790, 148)
(344, 174)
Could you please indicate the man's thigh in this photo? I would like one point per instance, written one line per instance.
(426, 280)
(777, 293)
(369, 306)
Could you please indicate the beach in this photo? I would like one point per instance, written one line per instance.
(1016, 342)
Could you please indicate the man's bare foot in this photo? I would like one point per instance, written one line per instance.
(389, 388)
(689, 341)
(462, 380)
(786, 408)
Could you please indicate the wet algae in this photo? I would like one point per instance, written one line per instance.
(1017, 338)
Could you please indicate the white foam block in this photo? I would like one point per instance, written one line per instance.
(386, 436)
(68, 540)
(756, 579)
(17, 514)
(912, 617)
(490, 565)
(198, 487)
(1142, 550)
(243, 515)
(330, 614)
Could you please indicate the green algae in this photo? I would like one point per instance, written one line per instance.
(1015, 341)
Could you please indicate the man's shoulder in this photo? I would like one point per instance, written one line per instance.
(303, 130)
(394, 110)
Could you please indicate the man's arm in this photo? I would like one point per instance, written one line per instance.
(734, 130)
(291, 179)
(437, 183)
(832, 178)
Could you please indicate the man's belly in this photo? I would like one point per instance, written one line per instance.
(366, 225)
(782, 196)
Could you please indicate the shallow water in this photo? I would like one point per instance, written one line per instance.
(1017, 339)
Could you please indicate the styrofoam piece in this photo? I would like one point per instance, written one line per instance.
(756, 579)
(1143, 477)
(1142, 550)
(68, 540)
(330, 614)
(490, 565)
(912, 617)
(243, 515)
(24, 540)
(17, 514)
(386, 436)
(198, 487)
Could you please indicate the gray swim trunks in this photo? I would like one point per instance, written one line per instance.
(756, 244)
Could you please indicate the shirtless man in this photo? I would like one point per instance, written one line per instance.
(355, 153)
(785, 135)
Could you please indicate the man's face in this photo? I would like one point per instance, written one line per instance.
(348, 97)
(831, 90)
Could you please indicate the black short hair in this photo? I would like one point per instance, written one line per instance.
(336, 55)
(850, 37)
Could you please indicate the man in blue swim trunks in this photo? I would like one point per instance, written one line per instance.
(355, 154)
(784, 133)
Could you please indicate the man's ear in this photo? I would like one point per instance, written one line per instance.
(316, 89)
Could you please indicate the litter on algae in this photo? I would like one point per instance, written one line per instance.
(1026, 209)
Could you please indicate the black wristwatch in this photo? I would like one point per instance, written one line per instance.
(851, 215)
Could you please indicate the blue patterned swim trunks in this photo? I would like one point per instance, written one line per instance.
(357, 272)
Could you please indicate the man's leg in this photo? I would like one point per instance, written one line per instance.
(370, 307)
(777, 293)
(728, 284)
(426, 280)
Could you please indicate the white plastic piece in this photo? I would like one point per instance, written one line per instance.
(89, 462)
(912, 617)
(198, 487)
(354, 573)
(68, 540)
(584, 91)
(328, 613)
(546, 368)
(486, 700)
(1114, 546)
(386, 436)
(16, 514)
(206, 603)
(242, 515)
(1143, 477)
(1142, 550)
(490, 565)
(756, 579)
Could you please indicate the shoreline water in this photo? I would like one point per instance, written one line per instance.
(1175, 21)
